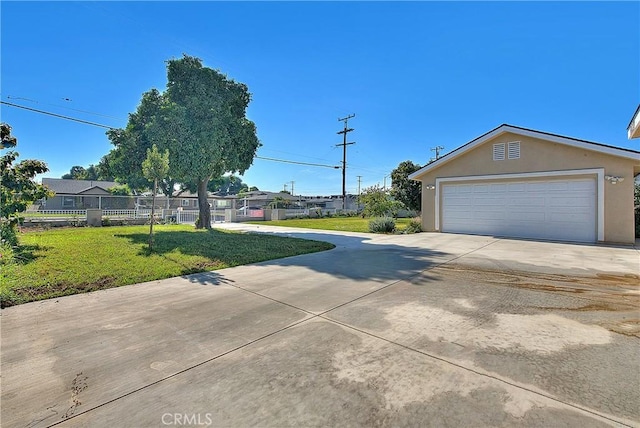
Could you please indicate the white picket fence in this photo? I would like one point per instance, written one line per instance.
(56, 214)
(190, 216)
(144, 213)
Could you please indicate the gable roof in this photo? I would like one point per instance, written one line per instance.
(95, 190)
(74, 187)
(525, 132)
(259, 195)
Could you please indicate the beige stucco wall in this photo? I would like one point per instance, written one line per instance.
(538, 155)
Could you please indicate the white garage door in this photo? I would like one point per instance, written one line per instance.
(551, 209)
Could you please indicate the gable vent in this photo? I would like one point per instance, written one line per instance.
(513, 150)
(498, 151)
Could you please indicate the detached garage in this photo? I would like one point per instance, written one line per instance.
(517, 182)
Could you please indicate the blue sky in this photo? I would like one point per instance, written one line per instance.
(416, 74)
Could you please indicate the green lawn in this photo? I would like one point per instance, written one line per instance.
(65, 261)
(345, 224)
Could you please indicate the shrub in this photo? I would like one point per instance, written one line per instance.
(8, 234)
(382, 225)
(414, 226)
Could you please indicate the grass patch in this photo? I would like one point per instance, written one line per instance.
(64, 261)
(345, 224)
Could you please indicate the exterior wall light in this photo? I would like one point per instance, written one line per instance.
(429, 186)
(613, 179)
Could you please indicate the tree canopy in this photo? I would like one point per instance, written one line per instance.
(223, 186)
(131, 145)
(407, 191)
(93, 172)
(200, 118)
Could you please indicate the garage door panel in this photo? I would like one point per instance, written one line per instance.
(489, 216)
(489, 201)
(498, 188)
(526, 202)
(522, 217)
(570, 218)
(571, 202)
(560, 209)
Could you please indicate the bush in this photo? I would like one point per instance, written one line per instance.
(8, 235)
(382, 225)
(414, 226)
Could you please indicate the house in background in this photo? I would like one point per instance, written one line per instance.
(518, 182)
(75, 194)
(260, 199)
(85, 194)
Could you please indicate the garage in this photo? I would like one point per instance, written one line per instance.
(561, 209)
(522, 183)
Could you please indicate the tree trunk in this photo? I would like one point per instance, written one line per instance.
(153, 207)
(204, 219)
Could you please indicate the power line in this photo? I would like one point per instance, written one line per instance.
(297, 163)
(64, 107)
(86, 122)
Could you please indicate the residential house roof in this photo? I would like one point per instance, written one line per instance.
(75, 187)
(575, 142)
(259, 195)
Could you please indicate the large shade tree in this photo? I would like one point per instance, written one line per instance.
(201, 119)
(407, 191)
(131, 145)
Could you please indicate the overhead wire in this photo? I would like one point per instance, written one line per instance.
(296, 162)
(57, 115)
(64, 107)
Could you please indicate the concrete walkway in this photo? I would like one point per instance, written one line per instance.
(403, 330)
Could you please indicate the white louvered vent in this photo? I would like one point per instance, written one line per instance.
(513, 150)
(498, 151)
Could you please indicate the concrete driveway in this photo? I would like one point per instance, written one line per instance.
(414, 330)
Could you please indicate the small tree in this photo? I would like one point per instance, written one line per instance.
(280, 202)
(378, 203)
(17, 188)
(155, 167)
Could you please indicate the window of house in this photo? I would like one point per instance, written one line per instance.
(68, 201)
(513, 150)
(498, 151)
(185, 202)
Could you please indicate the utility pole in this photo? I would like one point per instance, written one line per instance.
(344, 157)
(437, 150)
(359, 181)
(384, 186)
(292, 187)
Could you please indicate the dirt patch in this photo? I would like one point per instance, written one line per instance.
(626, 327)
(610, 292)
(47, 291)
(610, 301)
